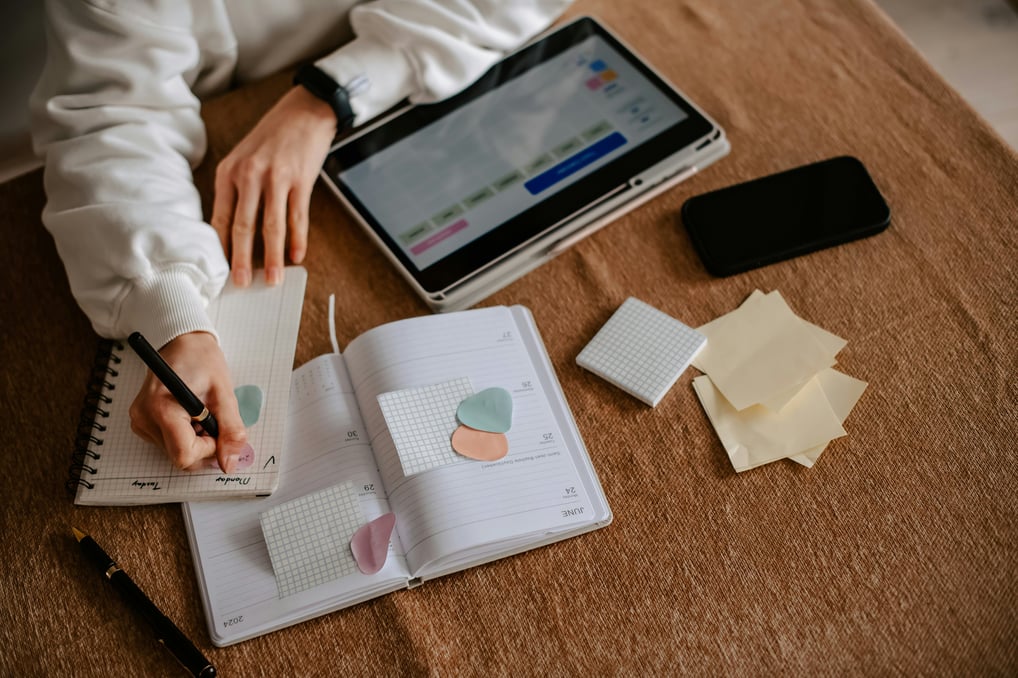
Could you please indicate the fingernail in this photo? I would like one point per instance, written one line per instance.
(274, 275)
(231, 462)
(241, 277)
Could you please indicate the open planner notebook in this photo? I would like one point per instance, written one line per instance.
(257, 329)
(448, 517)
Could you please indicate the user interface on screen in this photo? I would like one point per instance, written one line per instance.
(460, 177)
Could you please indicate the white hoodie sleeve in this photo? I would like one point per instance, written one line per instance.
(120, 130)
(429, 49)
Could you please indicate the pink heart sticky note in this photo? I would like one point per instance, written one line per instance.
(480, 445)
(247, 457)
(370, 543)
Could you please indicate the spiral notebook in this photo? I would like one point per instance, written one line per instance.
(257, 328)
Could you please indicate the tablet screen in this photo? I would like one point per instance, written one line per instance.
(449, 177)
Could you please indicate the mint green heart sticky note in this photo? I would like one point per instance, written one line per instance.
(490, 410)
(249, 398)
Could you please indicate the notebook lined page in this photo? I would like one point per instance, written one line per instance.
(444, 510)
(257, 329)
(325, 445)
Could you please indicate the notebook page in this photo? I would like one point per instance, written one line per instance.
(536, 488)
(601, 510)
(325, 445)
(257, 329)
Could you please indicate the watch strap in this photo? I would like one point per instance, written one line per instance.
(321, 85)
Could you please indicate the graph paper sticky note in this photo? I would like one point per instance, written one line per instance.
(309, 538)
(641, 350)
(422, 420)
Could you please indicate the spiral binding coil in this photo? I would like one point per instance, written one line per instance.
(101, 382)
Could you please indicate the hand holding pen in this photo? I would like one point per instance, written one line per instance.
(200, 414)
(187, 405)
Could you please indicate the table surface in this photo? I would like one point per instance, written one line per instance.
(896, 553)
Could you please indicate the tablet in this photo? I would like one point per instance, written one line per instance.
(557, 139)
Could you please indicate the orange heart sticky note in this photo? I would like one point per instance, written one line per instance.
(480, 445)
(370, 543)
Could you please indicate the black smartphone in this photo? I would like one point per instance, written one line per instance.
(785, 215)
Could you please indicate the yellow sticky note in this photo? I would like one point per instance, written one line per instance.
(756, 435)
(763, 354)
(842, 392)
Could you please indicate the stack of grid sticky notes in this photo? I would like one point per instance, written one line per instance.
(641, 350)
(769, 388)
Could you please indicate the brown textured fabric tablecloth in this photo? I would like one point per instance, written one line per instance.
(895, 554)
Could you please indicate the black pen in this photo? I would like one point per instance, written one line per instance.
(166, 631)
(174, 384)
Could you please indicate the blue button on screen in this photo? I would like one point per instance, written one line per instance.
(575, 163)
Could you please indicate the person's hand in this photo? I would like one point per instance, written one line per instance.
(157, 417)
(270, 174)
